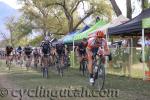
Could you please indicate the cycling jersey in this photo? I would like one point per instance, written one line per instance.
(82, 49)
(36, 53)
(9, 49)
(92, 44)
(28, 50)
(46, 48)
(19, 50)
(60, 49)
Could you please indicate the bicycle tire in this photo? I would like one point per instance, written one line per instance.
(27, 65)
(46, 72)
(9, 65)
(60, 70)
(83, 67)
(100, 81)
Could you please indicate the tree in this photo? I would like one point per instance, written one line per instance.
(145, 4)
(18, 28)
(115, 7)
(61, 16)
(10, 26)
(129, 9)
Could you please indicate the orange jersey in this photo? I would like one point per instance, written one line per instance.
(92, 43)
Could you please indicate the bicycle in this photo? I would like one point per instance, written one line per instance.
(20, 60)
(28, 61)
(66, 62)
(9, 61)
(60, 65)
(36, 61)
(84, 66)
(99, 71)
(44, 64)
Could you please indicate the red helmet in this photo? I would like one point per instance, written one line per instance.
(100, 34)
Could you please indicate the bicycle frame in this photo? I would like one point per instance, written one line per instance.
(45, 61)
(28, 61)
(99, 74)
(9, 61)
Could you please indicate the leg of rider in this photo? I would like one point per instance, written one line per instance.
(80, 60)
(62, 59)
(90, 62)
(6, 59)
(41, 61)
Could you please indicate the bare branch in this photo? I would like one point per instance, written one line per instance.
(3, 35)
(86, 16)
(76, 6)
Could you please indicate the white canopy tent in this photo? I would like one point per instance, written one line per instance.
(119, 20)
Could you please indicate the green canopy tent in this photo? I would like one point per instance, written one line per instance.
(86, 33)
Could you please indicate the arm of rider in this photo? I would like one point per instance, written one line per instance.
(103, 51)
(106, 49)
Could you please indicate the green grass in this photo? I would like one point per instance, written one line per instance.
(129, 88)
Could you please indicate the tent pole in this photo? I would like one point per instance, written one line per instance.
(107, 64)
(73, 53)
(143, 53)
(131, 51)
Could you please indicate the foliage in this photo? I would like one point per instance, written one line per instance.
(18, 29)
(36, 41)
(62, 16)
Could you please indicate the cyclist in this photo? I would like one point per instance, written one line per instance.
(19, 52)
(60, 50)
(28, 51)
(36, 56)
(9, 56)
(53, 55)
(82, 50)
(94, 45)
(45, 47)
(19, 49)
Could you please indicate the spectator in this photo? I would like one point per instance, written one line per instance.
(126, 56)
(147, 49)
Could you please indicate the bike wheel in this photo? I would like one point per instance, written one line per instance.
(60, 70)
(43, 71)
(83, 67)
(9, 65)
(46, 72)
(35, 65)
(27, 65)
(99, 77)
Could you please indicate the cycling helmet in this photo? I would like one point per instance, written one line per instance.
(99, 34)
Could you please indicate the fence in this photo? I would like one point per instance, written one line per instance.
(124, 64)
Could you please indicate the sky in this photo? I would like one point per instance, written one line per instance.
(12, 3)
(121, 4)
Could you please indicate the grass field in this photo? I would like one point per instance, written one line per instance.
(19, 78)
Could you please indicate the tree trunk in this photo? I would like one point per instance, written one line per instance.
(115, 7)
(129, 9)
(144, 4)
(70, 24)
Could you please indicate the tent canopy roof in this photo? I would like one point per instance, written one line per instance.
(131, 26)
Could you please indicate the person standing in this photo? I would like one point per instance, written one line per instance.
(126, 56)
(147, 44)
